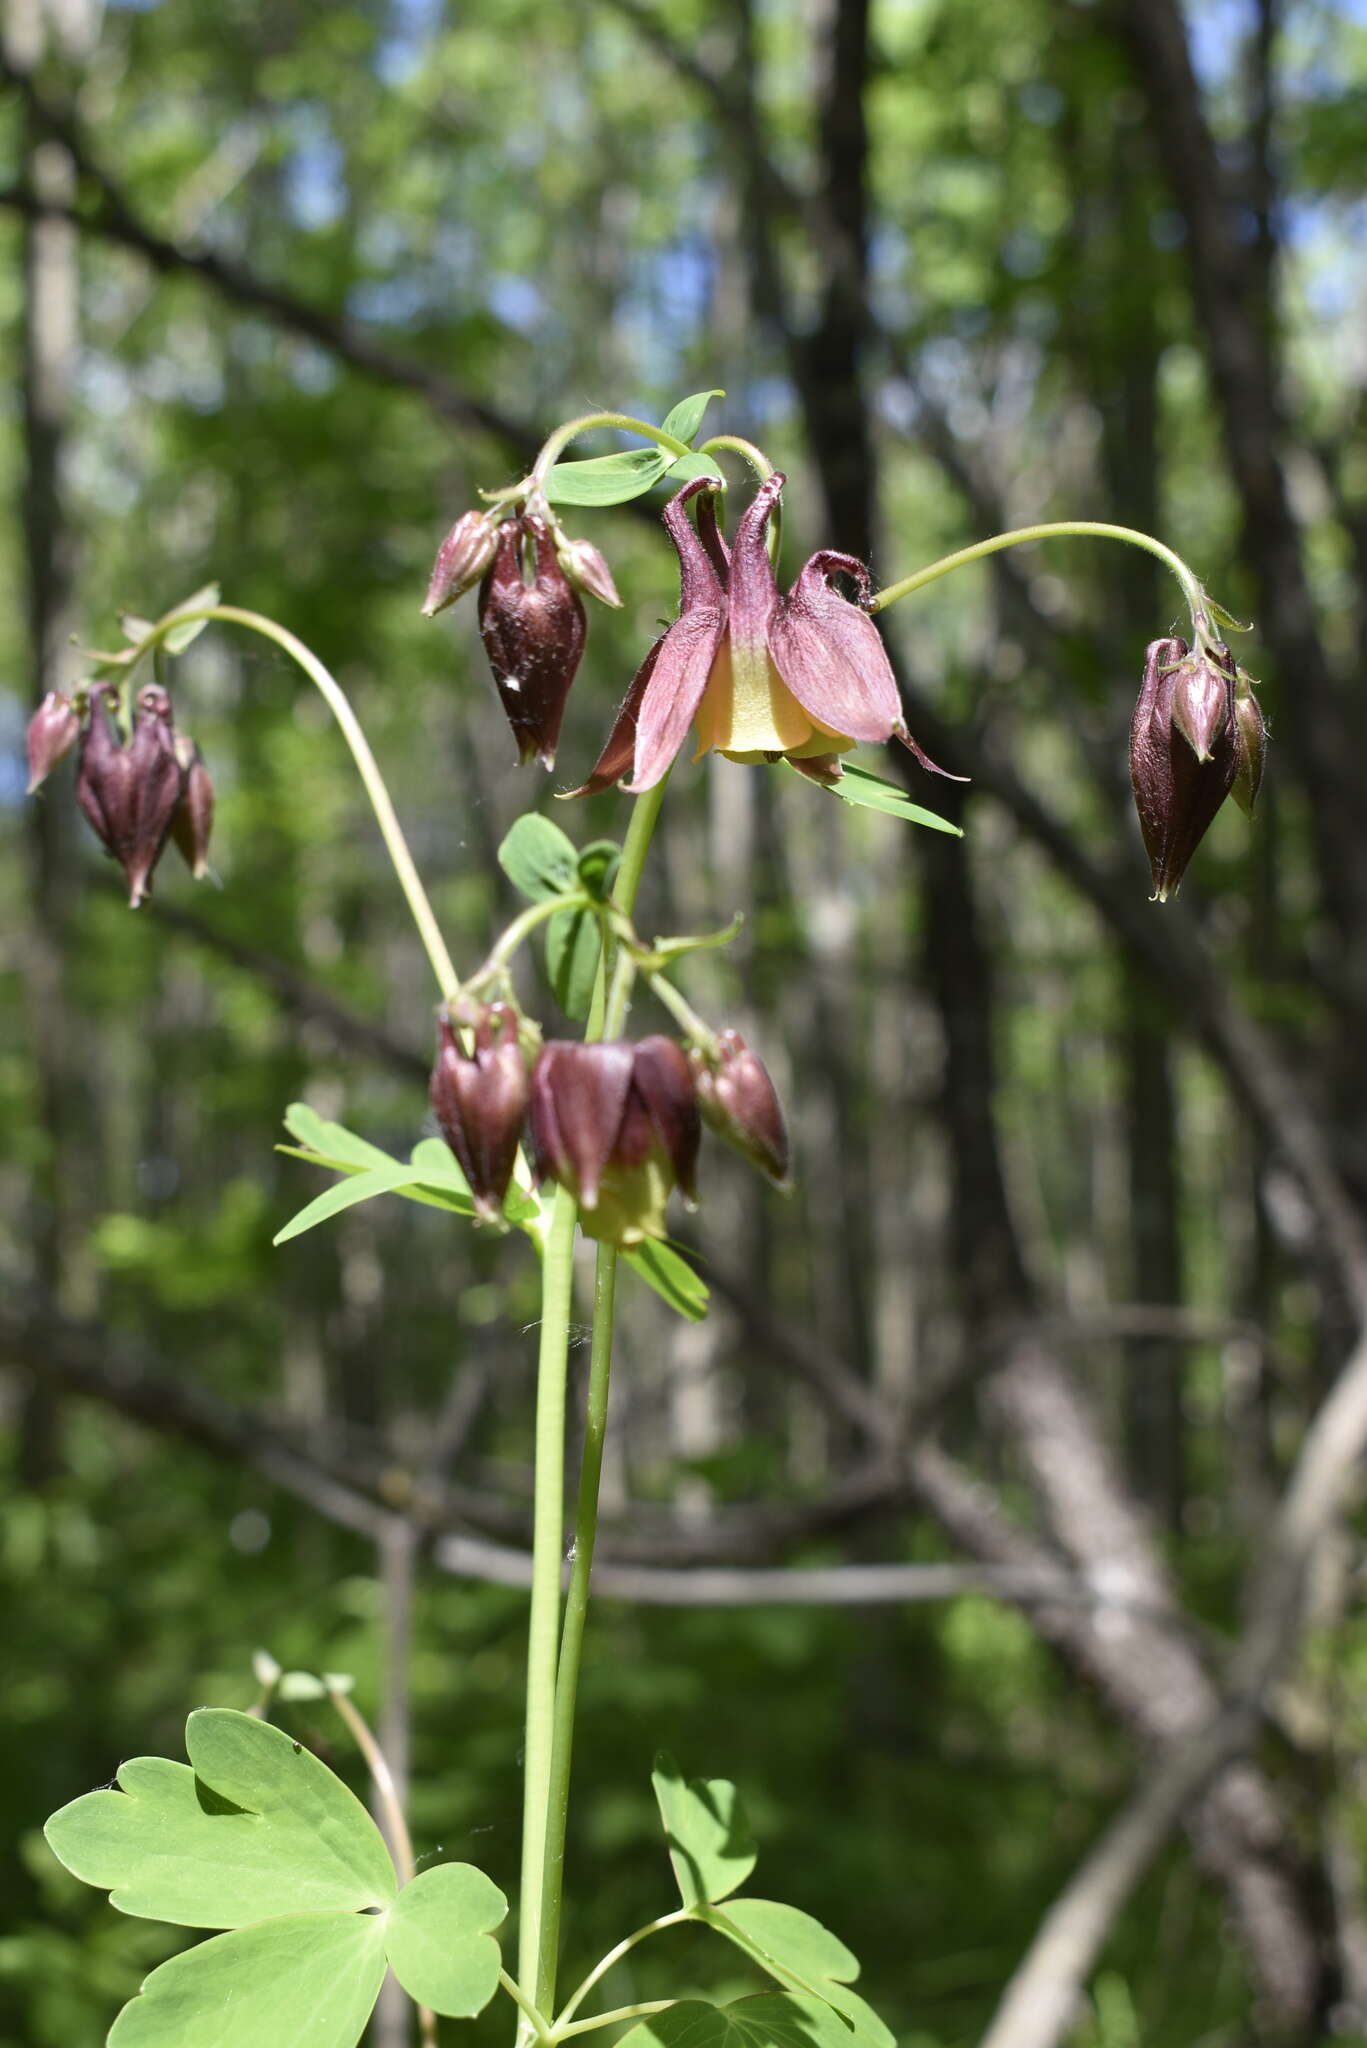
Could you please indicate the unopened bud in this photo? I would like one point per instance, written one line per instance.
(617, 1124)
(129, 793)
(533, 633)
(1202, 703)
(1177, 791)
(480, 1099)
(193, 819)
(587, 569)
(1251, 741)
(740, 1103)
(462, 559)
(52, 733)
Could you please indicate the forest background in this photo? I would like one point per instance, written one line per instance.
(1018, 1391)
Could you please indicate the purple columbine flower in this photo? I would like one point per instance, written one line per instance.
(1185, 753)
(533, 631)
(193, 818)
(480, 1100)
(129, 793)
(802, 677)
(52, 733)
(616, 1123)
(740, 1103)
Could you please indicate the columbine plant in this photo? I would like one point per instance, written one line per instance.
(254, 1835)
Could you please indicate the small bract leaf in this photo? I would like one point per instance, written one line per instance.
(572, 948)
(537, 858)
(710, 1843)
(689, 466)
(684, 419)
(258, 1827)
(308, 1977)
(871, 793)
(179, 637)
(440, 1941)
(597, 867)
(773, 2019)
(606, 479)
(673, 1279)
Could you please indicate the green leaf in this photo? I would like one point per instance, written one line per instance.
(308, 1977)
(606, 479)
(180, 637)
(256, 1826)
(859, 786)
(135, 628)
(710, 1843)
(684, 419)
(689, 466)
(434, 1156)
(773, 2019)
(538, 859)
(801, 1953)
(597, 867)
(334, 1142)
(312, 1685)
(662, 1268)
(344, 1194)
(440, 1939)
(572, 947)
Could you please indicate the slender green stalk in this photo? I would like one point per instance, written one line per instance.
(756, 458)
(448, 981)
(543, 1632)
(521, 928)
(536, 2024)
(609, 2019)
(682, 1011)
(605, 1021)
(615, 1955)
(1052, 530)
(563, 435)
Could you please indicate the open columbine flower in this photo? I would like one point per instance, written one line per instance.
(802, 677)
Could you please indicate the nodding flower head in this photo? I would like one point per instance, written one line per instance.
(480, 1100)
(52, 733)
(532, 622)
(1185, 753)
(765, 676)
(617, 1124)
(129, 793)
(740, 1103)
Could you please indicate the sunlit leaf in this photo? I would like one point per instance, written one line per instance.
(334, 1141)
(710, 1843)
(572, 948)
(538, 858)
(689, 466)
(440, 1938)
(859, 786)
(179, 638)
(801, 1953)
(684, 419)
(772, 2019)
(254, 1826)
(606, 479)
(307, 1977)
(664, 1269)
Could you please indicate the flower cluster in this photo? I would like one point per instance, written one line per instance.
(618, 1122)
(136, 792)
(1198, 736)
(759, 675)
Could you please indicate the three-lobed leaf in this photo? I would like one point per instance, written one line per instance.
(432, 1176)
(254, 1826)
(439, 1939)
(307, 1977)
(710, 1843)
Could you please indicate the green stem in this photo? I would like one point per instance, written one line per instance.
(609, 2019)
(520, 928)
(571, 429)
(448, 981)
(537, 2027)
(683, 1012)
(615, 1955)
(756, 457)
(1052, 530)
(543, 1631)
(605, 1021)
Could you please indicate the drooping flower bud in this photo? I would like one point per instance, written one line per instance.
(1251, 740)
(462, 559)
(740, 1103)
(587, 569)
(52, 733)
(617, 1123)
(1177, 791)
(533, 634)
(129, 793)
(193, 818)
(480, 1099)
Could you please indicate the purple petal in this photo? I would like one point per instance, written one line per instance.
(752, 589)
(617, 756)
(710, 534)
(674, 692)
(832, 659)
(698, 580)
(664, 1082)
(588, 1087)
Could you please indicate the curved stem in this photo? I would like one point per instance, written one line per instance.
(563, 435)
(605, 1021)
(609, 2019)
(1051, 530)
(522, 926)
(448, 981)
(539, 2031)
(543, 1631)
(756, 457)
(682, 1011)
(615, 1955)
